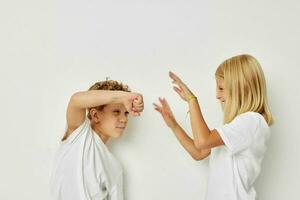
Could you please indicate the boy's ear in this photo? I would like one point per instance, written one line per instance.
(95, 115)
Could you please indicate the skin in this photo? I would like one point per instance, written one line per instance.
(112, 120)
(204, 139)
(220, 89)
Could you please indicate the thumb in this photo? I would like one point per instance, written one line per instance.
(128, 104)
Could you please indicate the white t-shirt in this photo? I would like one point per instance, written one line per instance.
(84, 169)
(235, 166)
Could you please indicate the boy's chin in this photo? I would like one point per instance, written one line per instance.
(117, 134)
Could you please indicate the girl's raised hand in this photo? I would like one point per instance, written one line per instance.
(166, 112)
(181, 89)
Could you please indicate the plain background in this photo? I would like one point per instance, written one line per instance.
(51, 49)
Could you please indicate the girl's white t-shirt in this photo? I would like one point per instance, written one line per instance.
(84, 169)
(235, 166)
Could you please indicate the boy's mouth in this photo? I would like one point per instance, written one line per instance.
(121, 127)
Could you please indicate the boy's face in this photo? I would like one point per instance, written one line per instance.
(113, 120)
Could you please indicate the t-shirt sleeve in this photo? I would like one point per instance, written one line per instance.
(239, 133)
(77, 132)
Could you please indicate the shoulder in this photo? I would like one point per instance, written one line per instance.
(253, 116)
(72, 134)
(245, 122)
(250, 121)
(248, 117)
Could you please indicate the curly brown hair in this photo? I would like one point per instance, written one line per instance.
(107, 85)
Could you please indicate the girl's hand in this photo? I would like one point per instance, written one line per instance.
(181, 89)
(166, 112)
(133, 103)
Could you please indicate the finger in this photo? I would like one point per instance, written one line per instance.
(139, 109)
(179, 91)
(166, 104)
(128, 105)
(157, 107)
(134, 112)
(157, 110)
(137, 104)
(161, 102)
(138, 99)
(174, 77)
(179, 84)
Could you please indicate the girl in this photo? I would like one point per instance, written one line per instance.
(84, 169)
(237, 148)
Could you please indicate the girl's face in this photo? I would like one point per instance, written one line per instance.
(113, 120)
(220, 90)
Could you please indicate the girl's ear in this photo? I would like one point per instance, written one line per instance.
(95, 115)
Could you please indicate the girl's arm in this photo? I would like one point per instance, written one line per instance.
(204, 138)
(80, 101)
(189, 145)
(180, 134)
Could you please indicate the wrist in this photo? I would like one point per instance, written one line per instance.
(191, 97)
(174, 126)
(119, 97)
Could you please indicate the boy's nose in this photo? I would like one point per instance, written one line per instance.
(123, 119)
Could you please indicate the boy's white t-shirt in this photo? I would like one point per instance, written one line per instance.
(84, 169)
(235, 166)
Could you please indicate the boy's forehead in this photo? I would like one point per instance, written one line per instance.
(115, 105)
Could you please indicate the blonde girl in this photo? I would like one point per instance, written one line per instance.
(237, 148)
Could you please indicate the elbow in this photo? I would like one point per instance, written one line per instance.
(200, 155)
(197, 158)
(75, 99)
(199, 145)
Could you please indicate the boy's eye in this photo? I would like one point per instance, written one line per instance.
(116, 111)
(126, 113)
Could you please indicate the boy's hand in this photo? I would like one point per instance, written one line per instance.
(133, 103)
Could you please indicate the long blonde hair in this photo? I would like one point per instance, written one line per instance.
(245, 87)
